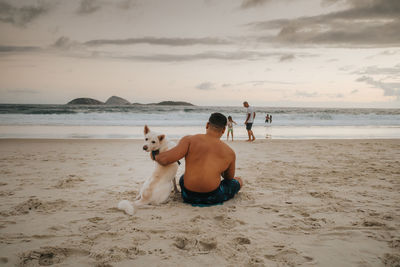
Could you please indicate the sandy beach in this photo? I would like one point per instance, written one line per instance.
(304, 203)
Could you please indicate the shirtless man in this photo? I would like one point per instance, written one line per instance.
(207, 158)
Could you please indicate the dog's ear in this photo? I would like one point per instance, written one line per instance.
(161, 137)
(146, 129)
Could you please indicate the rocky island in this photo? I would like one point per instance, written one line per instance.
(174, 103)
(119, 101)
(85, 101)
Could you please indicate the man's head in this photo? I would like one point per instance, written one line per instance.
(217, 122)
(245, 104)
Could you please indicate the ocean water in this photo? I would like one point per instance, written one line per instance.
(65, 121)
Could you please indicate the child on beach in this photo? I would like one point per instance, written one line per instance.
(230, 127)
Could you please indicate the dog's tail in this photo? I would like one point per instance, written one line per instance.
(126, 206)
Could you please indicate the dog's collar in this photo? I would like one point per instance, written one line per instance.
(156, 152)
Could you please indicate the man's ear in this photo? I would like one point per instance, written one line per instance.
(146, 129)
(207, 125)
(223, 130)
(161, 137)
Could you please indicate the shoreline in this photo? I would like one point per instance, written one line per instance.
(261, 132)
(304, 203)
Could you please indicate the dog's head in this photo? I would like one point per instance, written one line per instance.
(153, 141)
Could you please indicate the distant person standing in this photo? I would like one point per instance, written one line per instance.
(267, 118)
(230, 127)
(270, 118)
(251, 114)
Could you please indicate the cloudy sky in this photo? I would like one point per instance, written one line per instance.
(322, 53)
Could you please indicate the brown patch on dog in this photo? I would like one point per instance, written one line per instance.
(146, 129)
(161, 137)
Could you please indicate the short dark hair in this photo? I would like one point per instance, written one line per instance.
(218, 120)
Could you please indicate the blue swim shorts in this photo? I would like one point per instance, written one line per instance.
(226, 190)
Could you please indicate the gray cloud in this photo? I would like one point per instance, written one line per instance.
(21, 16)
(288, 57)
(315, 94)
(389, 89)
(373, 23)
(339, 96)
(206, 86)
(262, 82)
(76, 49)
(160, 41)
(306, 94)
(12, 49)
(240, 55)
(88, 6)
(390, 52)
(252, 3)
(375, 70)
(125, 4)
(65, 43)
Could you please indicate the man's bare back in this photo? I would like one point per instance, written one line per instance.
(207, 159)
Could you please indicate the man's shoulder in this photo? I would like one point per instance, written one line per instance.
(228, 149)
(192, 138)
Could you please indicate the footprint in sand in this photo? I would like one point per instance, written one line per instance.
(116, 253)
(242, 241)
(103, 264)
(227, 222)
(35, 204)
(394, 243)
(48, 256)
(95, 219)
(288, 256)
(391, 259)
(208, 244)
(69, 182)
(184, 243)
(255, 262)
(204, 244)
(197, 218)
(6, 193)
(372, 224)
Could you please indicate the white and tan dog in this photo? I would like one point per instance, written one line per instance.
(157, 188)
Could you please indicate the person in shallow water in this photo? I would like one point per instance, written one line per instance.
(207, 159)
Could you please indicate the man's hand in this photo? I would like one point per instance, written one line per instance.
(175, 153)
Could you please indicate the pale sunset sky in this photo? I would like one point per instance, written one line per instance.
(314, 53)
